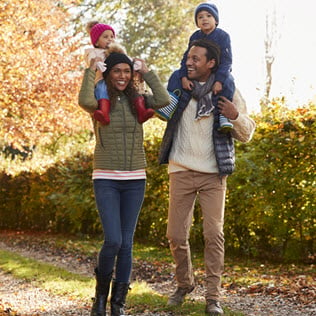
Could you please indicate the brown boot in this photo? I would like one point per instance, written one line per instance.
(102, 115)
(143, 114)
(213, 308)
(177, 298)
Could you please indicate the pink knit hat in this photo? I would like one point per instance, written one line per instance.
(97, 30)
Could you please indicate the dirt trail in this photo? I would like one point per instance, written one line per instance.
(28, 300)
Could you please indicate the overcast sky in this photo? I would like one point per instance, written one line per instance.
(294, 69)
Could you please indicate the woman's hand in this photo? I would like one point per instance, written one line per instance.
(94, 62)
(140, 66)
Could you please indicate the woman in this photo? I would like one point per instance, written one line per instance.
(118, 172)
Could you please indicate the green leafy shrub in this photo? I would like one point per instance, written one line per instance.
(270, 205)
(152, 221)
(271, 197)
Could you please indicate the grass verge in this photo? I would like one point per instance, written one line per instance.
(58, 281)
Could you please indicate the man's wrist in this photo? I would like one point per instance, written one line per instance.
(237, 115)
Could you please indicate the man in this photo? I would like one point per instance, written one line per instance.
(200, 158)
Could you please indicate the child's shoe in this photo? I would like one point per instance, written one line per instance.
(166, 112)
(225, 125)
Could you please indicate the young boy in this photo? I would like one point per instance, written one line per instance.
(206, 19)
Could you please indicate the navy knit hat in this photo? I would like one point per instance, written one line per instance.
(114, 59)
(209, 7)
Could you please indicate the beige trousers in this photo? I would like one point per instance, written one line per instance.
(184, 187)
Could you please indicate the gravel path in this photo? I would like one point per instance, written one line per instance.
(28, 300)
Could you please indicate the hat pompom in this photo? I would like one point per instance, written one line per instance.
(116, 48)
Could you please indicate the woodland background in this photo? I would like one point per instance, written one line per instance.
(46, 140)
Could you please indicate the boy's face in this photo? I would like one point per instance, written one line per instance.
(206, 22)
(105, 39)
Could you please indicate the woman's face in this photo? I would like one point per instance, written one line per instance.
(120, 76)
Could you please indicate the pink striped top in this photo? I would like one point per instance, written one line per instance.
(118, 174)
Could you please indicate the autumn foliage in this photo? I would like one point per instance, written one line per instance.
(39, 76)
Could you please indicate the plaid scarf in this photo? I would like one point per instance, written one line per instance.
(204, 100)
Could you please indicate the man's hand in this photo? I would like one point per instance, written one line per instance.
(227, 108)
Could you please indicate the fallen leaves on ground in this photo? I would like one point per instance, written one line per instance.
(296, 283)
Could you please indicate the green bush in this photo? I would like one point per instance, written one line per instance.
(152, 221)
(61, 199)
(270, 198)
(13, 189)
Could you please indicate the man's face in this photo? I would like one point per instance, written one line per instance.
(199, 68)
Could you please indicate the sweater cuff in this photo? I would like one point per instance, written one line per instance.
(237, 119)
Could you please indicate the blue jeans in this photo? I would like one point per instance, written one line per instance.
(119, 203)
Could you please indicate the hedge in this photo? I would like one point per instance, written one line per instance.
(270, 205)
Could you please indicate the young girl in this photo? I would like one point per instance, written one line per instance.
(103, 38)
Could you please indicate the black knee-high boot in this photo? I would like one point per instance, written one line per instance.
(101, 294)
(118, 297)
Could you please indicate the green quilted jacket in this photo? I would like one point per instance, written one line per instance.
(119, 145)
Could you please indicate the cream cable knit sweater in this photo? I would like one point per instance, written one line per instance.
(193, 147)
(190, 150)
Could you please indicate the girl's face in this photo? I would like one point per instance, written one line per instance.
(206, 22)
(120, 76)
(105, 39)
